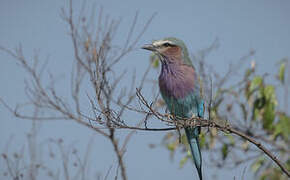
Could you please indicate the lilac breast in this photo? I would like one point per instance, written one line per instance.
(177, 80)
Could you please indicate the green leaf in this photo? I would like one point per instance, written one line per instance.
(269, 93)
(184, 139)
(259, 104)
(255, 113)
(255, 85)
(184, 160)
(171, 146)
(283, 126)
(270, 106)
(225, 150)
(269, 116)
(282, 72)
(155, 63)
(202, 142)
(154, 60)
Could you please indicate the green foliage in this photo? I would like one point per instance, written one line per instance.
(225, 151)
(202, 140)
(264, 101)
(154, 60)
(183, 161)
(282, 127)
(255, 84)
(281, 74)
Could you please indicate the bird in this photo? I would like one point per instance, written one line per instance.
(180, 88)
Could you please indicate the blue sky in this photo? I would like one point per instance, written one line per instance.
(36, 25)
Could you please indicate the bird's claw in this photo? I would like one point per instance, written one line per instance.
(193, 119)
(169, 116)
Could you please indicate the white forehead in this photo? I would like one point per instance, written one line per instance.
(160, 42)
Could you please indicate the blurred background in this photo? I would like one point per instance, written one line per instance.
(237, 27)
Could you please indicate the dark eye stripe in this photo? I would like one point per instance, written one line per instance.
(167, 44)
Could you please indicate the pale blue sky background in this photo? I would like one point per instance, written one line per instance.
(239, 25)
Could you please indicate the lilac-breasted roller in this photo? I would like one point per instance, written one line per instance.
(180, 88)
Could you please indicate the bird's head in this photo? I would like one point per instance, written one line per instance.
(169, 49)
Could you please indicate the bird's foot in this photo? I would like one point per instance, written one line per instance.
(192, 121)
(169, 116)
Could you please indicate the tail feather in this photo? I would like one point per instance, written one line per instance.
(192, 137)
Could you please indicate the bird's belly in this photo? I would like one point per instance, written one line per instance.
(182, 107)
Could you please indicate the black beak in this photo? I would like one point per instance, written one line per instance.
(149, 47)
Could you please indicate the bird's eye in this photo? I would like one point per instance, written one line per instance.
(166, 44)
